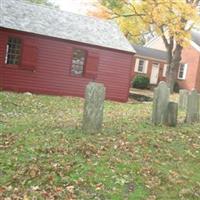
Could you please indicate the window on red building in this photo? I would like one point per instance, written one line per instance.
(182, 71)
(13, 51)
(78, 62)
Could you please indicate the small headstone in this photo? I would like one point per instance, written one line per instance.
(172, 113)
(160, 103)
(183, 99)
(192, 107)
(93, 108)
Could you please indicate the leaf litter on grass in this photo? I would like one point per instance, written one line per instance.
(45, 155)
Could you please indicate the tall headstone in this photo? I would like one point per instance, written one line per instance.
(172, 113)
(183, 99)
(93, 108)
(160, 103)
(192, 107)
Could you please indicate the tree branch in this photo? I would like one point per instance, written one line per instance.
(164, 37)
(116, 15)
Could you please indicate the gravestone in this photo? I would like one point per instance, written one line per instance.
(172, 113)
(93, 108)
(183, 99)
(160, 103)
(192, 107)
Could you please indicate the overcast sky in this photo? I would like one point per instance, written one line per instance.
(77, 6)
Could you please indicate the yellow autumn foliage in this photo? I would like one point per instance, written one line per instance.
(176, 17)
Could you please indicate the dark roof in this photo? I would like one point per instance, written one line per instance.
(150, 53)
(32, 18)
(195, 36)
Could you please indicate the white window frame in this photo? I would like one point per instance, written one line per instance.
(13, 57)
(165, 70)
(6, 57)
(184, 71)
(145, 66)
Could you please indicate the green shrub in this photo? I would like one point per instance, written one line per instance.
(141, 82)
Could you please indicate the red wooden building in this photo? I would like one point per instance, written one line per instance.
(44, 50)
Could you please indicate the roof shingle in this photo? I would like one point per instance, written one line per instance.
(32, 18)
(150, 53)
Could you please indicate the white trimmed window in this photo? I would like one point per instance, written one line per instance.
(165, 70)
(141, 66)
(182, 71)
(13, 51)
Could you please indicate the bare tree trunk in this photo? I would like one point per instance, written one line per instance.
(174, 51)
(171, 79)
(174, 59)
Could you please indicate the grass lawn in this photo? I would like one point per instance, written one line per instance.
(45, 155)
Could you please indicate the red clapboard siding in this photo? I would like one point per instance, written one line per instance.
(51, 58)
(2, 56)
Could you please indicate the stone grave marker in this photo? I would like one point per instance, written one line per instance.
(183, 99)
(172, 113)
(192, 107)
(93, 108)
(160, 103)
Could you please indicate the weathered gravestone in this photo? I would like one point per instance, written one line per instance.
(160, 103)
(183, 99)
(192, 107)
(172, 113)
(93, 108)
